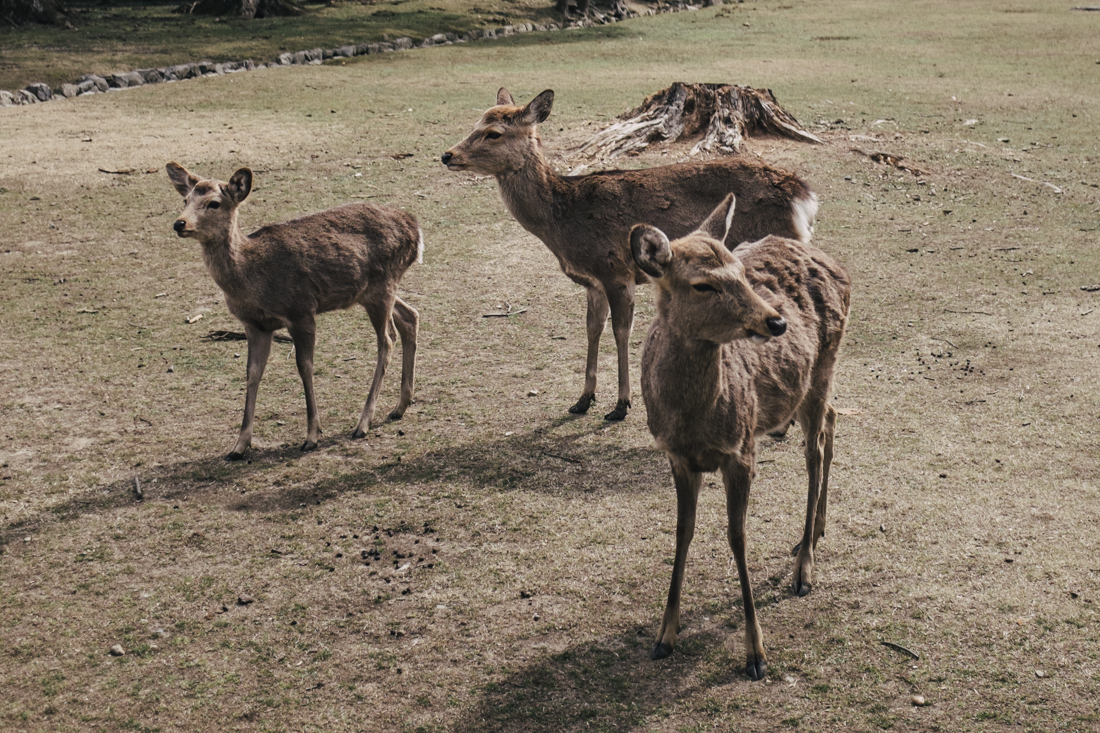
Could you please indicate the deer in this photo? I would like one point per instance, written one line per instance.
(585, 220)
(743, 342)
(284, 275)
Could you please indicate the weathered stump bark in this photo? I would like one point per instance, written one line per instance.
(241, 8)
(718, 116)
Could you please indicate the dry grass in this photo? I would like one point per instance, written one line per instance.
(274, 595)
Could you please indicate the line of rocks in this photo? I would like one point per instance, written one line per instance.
(37, 92)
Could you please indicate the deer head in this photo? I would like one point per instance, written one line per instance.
(703, 293)
(210, 206)
(504, 138)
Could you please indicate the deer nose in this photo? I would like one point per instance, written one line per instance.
(776, 326)
(179, 225)
(446, 158)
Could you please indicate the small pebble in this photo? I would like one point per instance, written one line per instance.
(117, 650)
(919, 701)
(533, 393)
(1040, 673)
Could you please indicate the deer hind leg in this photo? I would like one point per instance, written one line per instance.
(737, 476)
(407, 321)
(621, 300)
(597, 316)
(304, 334)
(380, 309)
(259, 348)
(817, 423)
(688, 484)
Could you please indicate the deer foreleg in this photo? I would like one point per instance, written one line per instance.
(688, 484)
(597, 316)
(621, 300)
(259, 348)
(737, 476)
(304, 334)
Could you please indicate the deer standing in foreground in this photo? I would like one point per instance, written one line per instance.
(742, 342)
(283, 275)
(585, 220)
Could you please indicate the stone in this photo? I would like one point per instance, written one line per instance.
(25, 97)
(7, 99)
(68, 91)
(40, 90)
(117, 650)
(403, 44)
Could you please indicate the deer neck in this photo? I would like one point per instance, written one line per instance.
(528, 192)
(224, 257)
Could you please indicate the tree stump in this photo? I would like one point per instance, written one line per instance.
(719, 116)
(241, 8)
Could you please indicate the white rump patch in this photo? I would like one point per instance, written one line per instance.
(420, 244)
(803, 215)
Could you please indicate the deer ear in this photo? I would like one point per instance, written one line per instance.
(649, 245)
(180, 178)
(239, 185)
(538, 109)
(504, 97)
(718, 223)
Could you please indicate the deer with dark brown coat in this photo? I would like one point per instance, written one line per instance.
(585, 220)
(283, 275)
(743, 342)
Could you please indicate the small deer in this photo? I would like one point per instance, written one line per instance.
(743, 342)
(283, 275)
(585, 220)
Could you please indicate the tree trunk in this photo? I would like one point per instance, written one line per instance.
(241, 8)
(24, 12)
(716, 115)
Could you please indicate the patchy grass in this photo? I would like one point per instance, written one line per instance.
(491, 563)
(113, 38)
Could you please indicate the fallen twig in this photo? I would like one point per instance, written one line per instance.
(881, 156)
(120, 172)
(943, 340)
(1032, 180)
(979, 313)
(900, 648)
(238, 336)
(137, 488)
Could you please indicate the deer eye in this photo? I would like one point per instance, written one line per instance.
(492, 135)
(213, 205)
(704, 288)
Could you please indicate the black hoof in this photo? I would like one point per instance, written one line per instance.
(756, 670)
(583, 404)
(395, 415)
(803, 589)
(357, 435)
(309, 445)
(619, 413)
(235, 456)
(661, 650)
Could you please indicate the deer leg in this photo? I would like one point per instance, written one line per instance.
(304, 334)
(813, 426)
(823, 499)
(259, 348)
(738, 478)
(381, 310)
(407, 321)
(621, 300)
(597, 316)
(688, 484)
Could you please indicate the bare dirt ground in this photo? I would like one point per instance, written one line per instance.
(491, 563)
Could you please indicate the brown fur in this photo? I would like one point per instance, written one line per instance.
(283, 275)
(710, 391)
(585, 220)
